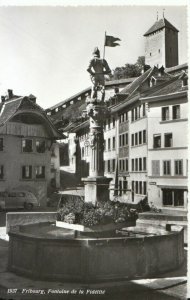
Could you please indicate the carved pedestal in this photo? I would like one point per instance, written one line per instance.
(96, 189)
(96, 185)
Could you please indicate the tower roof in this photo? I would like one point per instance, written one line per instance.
(162, 23)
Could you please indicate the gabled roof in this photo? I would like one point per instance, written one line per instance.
(170, 84)
(175, 86)
(177, 68)
(162, 23)
(131, 88)
(9, 109)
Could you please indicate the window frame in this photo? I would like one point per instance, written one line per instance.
(109, 144)
(132, 139)
(158, 135)
(41, 141)
(171, 140)
(178, 161)
(32, 145)
(2, 172)
(167, 173)
(113, 143)
(43, 172)
(173, 199)
(144, 164)
(144, 136)
(177, 113)
(1, 144)
(30, 177)
(166, 114)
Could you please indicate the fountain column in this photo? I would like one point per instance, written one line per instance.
(96, 184)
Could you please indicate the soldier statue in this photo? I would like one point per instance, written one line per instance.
(98, 68)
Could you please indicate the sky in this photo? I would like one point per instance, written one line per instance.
(45, 50)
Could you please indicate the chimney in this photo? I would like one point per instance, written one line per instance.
(32, 98)
(3, 99)
(10, 94)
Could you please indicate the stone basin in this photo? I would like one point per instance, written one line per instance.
(45, 252)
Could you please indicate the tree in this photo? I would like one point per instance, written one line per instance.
(129, 70)
(140, 61)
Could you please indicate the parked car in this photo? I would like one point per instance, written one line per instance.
(17, 199)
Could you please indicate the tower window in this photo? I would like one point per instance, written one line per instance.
(158, 50)
(150, 54)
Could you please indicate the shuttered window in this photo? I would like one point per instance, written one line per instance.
(155, 167)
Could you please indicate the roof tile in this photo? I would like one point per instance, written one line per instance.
(162, 23)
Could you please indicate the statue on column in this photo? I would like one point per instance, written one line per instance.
(98, 68)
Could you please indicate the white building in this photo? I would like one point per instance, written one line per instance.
(167, 129)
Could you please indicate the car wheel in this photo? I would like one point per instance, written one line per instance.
(28, 206)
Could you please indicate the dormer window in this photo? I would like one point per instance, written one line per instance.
(116, 90)
(185, 81)
(152, 81)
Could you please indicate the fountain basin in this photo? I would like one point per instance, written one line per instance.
(44, 252)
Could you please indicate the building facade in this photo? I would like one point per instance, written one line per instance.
(167, 126)
(27, 138)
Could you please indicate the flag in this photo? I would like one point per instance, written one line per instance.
(110, 41)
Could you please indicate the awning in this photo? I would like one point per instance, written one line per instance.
(173, 187)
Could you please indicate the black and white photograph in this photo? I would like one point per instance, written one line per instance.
(94, 150)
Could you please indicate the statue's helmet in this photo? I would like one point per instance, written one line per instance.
(96, 52)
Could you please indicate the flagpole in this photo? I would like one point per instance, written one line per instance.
(104, 45)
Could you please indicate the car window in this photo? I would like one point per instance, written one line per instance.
(13, 194)
(20, 194)
(3, 194)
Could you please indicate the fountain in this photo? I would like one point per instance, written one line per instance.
(81, 254)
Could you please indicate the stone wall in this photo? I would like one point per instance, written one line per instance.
(14, 219)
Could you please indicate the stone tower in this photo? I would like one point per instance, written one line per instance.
(161, 45)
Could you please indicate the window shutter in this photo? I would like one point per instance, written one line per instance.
(155, 167)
